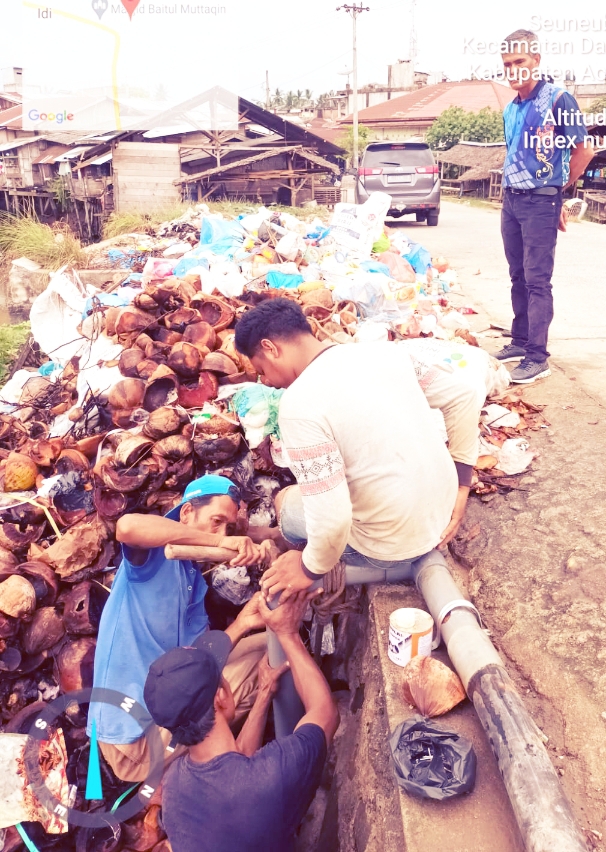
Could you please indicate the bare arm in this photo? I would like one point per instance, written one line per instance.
(310, 683)
(580, 157)
(251, 735)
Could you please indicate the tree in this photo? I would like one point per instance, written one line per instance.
(598, 105)
(345, 140)
(455, 124)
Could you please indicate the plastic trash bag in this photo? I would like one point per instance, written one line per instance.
(233, 584)
(419, 258)
(221, 237)
(257, 407)
(430, 762)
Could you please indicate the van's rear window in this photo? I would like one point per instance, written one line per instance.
(401, 155)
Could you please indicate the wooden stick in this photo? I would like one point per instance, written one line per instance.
(199, 553)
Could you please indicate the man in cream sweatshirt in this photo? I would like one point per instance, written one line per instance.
(377, 485)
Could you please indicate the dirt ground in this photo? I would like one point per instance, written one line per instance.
(536, 571)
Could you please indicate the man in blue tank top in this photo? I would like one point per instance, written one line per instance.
(547, 150)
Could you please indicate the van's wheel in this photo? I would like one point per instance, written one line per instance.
(432, 219)
(421, 217)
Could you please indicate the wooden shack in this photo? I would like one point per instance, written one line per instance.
(472, 168)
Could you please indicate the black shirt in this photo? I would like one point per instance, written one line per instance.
(235, 803)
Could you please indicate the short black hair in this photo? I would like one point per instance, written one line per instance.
(193, 733)
(274, 319)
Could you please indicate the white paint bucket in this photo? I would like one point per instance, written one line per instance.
(410, 635)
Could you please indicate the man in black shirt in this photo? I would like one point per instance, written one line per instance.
(224, 796)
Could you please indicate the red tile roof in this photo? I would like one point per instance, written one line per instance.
(11, 118)
(427, 103)
(325, 129)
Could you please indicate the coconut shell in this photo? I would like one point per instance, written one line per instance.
(185, 360)
(125, 481)
(80, 547)
(127, 394)
(109, 503)
(145, 302)
(131, 319)
(217, 426)
(167, 335)
(8, 564)
(17, 597)
(220, 363)
(88, 446)
(20, 473)
(201, 334)
(146, 369)
(132, 449)
(180, 319)
(431, 686)
(43, 579)
(74, 664)
(129, 360)
(194, 396)
(71, 460)
(214, 311)
(216, 451)
(34, 389)
(44, 451)
(174, 447)
(111, 318)
(162, 422)
(162, 390)
(44, 631)
(13, 537)
(82, 607)
(9, 627)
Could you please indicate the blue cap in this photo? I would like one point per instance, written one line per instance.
(209, 485)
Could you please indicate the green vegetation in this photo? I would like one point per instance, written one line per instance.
(25, 236)
(598, 105)
(346, 140)
(12, 337)
(455, 125)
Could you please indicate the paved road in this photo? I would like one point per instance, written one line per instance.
(470, 238)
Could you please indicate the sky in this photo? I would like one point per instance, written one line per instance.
(301, 45)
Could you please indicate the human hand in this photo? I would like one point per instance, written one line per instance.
(563, 218)
(269, 678)
(286, 618)
(249, 617)
(248, 551)
(285, 575)
(457, 517)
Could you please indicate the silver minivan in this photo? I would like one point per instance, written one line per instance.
(406, 171)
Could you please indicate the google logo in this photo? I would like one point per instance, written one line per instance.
(59, 117)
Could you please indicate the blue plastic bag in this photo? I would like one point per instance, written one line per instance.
(282, 280)
(419, 258)
(222, 238)
(375, 266)
(191, 260)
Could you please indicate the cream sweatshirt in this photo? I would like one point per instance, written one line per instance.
(367, 454)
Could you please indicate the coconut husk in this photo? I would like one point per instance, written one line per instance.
(132, 449)
(129, 360)
(43, 579)
(109, 503)
(44, 631)
(82, 607)
(17, 597)
(216, 451)
(173, 448)
(14, 537)
(163, 389)
(131, 320)
(9, 627)
(167, 335)
(180, 473)
(195, 395)
(216, 426)
(182, 318)
(71, 460)
(20, 473)
(123, 480)
(163, 421)
(127, 394)
(216, 312)
(431, 686)
(45, 451)
(74, 664)
(145, 833)
(220, 363)
(79, 547)
(185, 360)
(145, 302)
(202, 335)
(34, 389)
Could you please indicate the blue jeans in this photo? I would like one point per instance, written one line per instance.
(292, 527)
(529, 226)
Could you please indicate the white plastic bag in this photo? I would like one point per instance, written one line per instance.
(233, 584)
(56, 314)
(515, 456)
(356, 227)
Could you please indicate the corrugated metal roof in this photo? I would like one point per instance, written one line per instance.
(105, 158)
(51, 155)
(12, 118)
(18, 143)
(426, 103)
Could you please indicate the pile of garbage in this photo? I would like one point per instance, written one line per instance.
(144, 391)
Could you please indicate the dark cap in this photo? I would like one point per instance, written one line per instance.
(181, 684)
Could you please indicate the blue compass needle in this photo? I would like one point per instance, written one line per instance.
(94, 789)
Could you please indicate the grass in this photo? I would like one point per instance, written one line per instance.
(143, 222)
(25, 236)
(12, 337)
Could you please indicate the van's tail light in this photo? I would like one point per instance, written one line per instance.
(427, 170)
(364, 172)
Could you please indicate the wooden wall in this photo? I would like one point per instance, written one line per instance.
(143, 175)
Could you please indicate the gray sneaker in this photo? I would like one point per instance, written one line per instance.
(529, 371)
(511, 352)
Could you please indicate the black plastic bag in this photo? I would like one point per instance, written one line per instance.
(432, 763)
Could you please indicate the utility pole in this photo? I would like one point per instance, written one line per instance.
(267, 90)
(354, 11)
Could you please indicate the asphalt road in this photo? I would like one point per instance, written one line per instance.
(471, 240)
